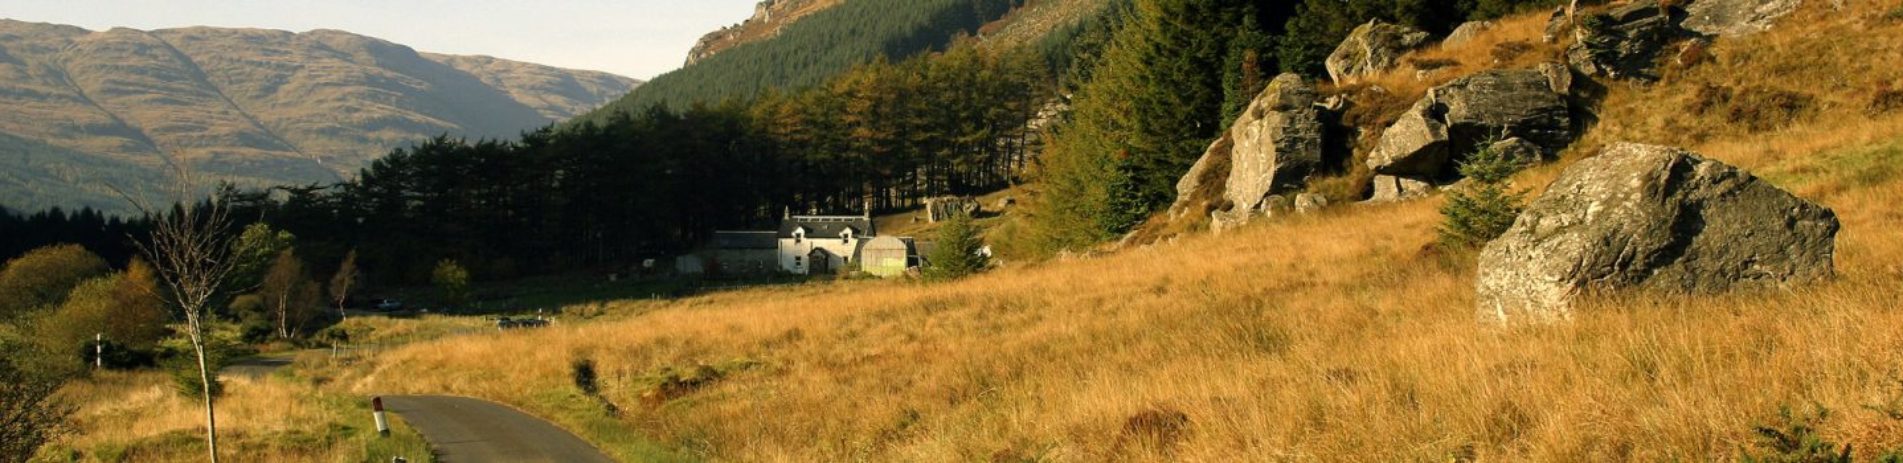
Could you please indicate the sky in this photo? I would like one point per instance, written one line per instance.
(634, 38)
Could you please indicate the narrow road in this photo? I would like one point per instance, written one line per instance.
(464, 430)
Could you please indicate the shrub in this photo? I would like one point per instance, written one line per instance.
(43, 277)
(586, 379)
(33, 414)
(1794, 439)
(453, 281)
(960, 251)
(1486, 209)
(182, 366)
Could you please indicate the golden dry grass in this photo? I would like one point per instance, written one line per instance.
(137, 417)
(1328, 338)
(1332, 337)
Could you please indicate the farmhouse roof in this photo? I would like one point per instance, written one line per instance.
(826, 226)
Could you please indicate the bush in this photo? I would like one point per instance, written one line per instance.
(1794, 439)
(182, 366)
(453, 281)
(32, 414)
(1485, 210)
(960, 251)
(43, 277)
(221, 346)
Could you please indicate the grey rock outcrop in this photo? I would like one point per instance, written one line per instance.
(1652, 217)
(1200, 189)
(945, 207)
(1308, 203)
(1273, 147)
(1426, 143)
(1626, 42)
(1466, 32)
(1519, 149)
(1277, 143)
(1732, 18)
(1372, 48)
(1389, 188)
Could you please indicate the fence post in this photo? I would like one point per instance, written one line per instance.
(383, 426)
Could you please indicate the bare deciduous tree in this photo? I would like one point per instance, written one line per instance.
(340, 283)
(190, 248)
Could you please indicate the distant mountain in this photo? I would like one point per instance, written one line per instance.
(81, 110)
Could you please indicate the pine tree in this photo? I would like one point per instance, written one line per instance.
(1486, 209)
(960, 252)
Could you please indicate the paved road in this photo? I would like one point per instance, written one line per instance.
(257, 367)
(464, 430)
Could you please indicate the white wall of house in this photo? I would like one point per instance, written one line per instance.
(793, 251)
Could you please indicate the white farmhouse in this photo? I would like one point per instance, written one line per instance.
(822, 244)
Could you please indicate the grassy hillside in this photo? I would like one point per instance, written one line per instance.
(816, 47)
(1339, 336)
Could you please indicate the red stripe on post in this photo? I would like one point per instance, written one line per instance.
(376, 403)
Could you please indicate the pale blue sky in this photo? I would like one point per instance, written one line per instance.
(635, 38)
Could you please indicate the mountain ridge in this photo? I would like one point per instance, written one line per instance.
(256, 106)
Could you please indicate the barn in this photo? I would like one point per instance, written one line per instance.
(888, 256)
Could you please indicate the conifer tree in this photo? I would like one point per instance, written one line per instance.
(1486, 209)
(960, 252)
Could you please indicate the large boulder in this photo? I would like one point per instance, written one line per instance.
(1736, 17)
(1626, 42)
(1276, 143)
(1372, 48)
(1200, 189)
(1427, 141)
(1642, 216)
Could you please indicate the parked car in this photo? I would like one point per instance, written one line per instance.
(386, 305)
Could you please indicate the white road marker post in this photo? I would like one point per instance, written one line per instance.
(383, 425)
(99, 351)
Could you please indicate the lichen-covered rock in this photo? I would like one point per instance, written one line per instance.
(1389, 188)
(1200, 188)
(1626, 42)
(1466, 32)
(1642, 216)
(1558, 77)
(1453, 120)
(1519, 149)
(1372, 48)
(1416, 144)
(1736, 17)
(1310, 202)
(1277, 143)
